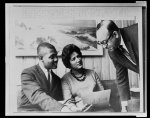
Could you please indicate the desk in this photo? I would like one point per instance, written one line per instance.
(134, 103)
(36, 108)
(29, 108)
(132, 107)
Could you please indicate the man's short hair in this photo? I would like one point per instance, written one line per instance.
(41, 46)
(111, 26)
(66, 54)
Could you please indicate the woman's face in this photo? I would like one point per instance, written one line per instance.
(76, 61)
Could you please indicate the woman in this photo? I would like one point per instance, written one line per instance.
(79, 80)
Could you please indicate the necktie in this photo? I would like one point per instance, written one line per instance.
(49, 82)
(124, 51)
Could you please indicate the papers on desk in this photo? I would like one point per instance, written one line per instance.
(88, 107)
(90, 101)
(97, 99)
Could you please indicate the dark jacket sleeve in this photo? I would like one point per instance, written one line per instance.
(36, 94)
(122, 81)
(98, 82)
(118, 58)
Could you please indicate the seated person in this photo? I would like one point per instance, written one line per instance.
(78, 81)
(40, 85)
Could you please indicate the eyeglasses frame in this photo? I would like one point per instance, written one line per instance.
(106, 41)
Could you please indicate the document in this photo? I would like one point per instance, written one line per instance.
(97, 99)
(91, 101)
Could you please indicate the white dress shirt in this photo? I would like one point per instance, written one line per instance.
(45, 70)
(124, 46)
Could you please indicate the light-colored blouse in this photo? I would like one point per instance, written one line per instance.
(73, 88)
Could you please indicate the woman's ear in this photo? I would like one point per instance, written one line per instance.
(116, 34)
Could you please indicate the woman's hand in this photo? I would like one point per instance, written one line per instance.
(66, 109)
(75, 109)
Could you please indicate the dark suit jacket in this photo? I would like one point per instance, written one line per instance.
(122, 64)
(35, 90)
(130, 38)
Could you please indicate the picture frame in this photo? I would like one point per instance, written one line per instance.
(33, 25)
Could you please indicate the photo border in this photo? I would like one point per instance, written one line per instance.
(10, 58)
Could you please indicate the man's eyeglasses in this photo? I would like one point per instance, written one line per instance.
(104, 42)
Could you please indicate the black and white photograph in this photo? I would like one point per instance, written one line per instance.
(76, 59)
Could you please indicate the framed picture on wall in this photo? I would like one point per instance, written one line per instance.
(34, 25)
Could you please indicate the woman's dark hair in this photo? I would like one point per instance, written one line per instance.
(66, 53)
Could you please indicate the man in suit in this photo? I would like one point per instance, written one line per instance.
(122, 45)
(41, 87)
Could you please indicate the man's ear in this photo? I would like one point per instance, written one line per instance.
(40, 57)
(116, 34)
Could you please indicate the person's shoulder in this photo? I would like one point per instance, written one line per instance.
(129, 28)
(29, 69)
(66, 75)
(89, 71)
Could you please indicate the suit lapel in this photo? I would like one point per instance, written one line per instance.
(129, 46)
(42, 76)
(44, 79)
(54, 81)
(131, 53)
